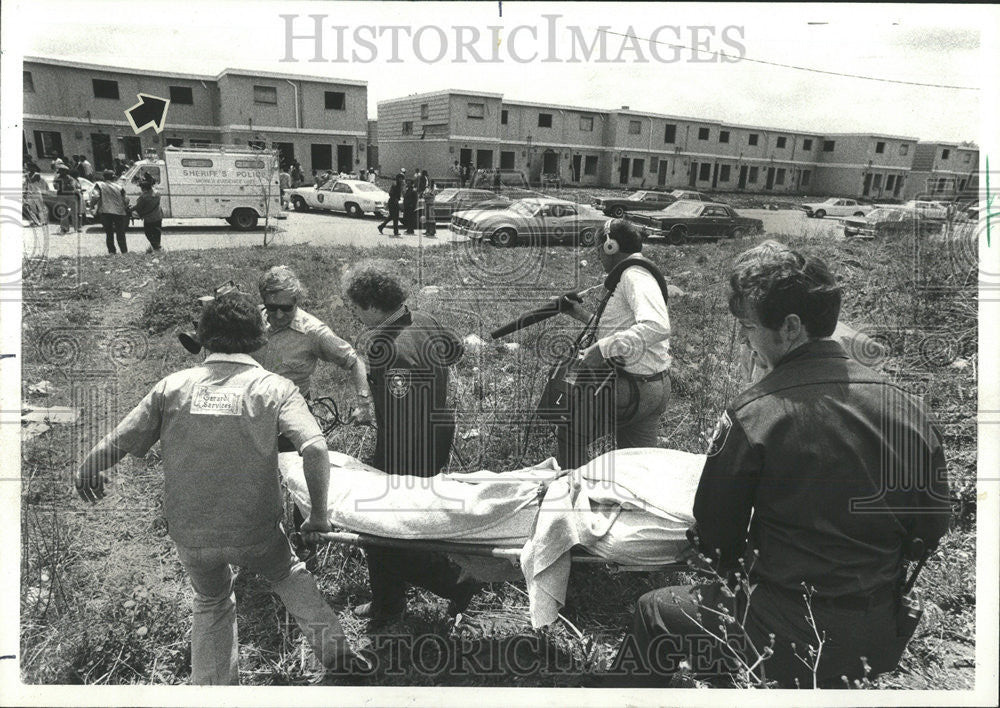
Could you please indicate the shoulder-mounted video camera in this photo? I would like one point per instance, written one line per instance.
(189, 339)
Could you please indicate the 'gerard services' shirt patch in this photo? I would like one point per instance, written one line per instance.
(216, 400)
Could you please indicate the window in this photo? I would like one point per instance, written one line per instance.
(104, 88)
(945, 153)
(752, 177)
(336, 100)
(967, 158)
(425, 111)
(634, 127)
(890, 181)
(670, 133)
(637, 167)
(250, 164)
(780, 177)
(780, 142)
(877, 182)
(806, 174)
(175, 142)
(723, 136)
(407, 127)
(544, 120)
(265, 94)
(702, 133)
(322, 156)
(904, 149)
(652, 165)
(476, 111)
(29, 83)
(754, 137)
(724, 173)
(590, 165)
(807, 144)
(434, 129)
(48, 143)
(587, 124)
(195, 162)
(880, 147)
(828, 145)
(503, 117)
(342, 187)
(181, 94)
(705, 172)
(257, 144)
(507, 158)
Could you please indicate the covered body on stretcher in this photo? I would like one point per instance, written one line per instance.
(630, 507)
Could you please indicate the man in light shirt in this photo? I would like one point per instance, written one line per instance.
(633, 331)
(218, 426)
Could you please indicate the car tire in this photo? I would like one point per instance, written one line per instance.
(819, 214)
(244, 219)
(353, 210)
(618, 212)
(298, 203)
(677, 236)
(60, 211)
(504, 238)
(588, 237)
(739, 232)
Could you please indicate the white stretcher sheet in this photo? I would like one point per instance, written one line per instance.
(631, 507)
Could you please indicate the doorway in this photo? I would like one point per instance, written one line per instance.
(131, 147)
(101, 145)
(661, 175)
(623, 171)
(743, 177)
(770, 178)
(345, 159)
(484, 159)
(693, 175)
(577, 162)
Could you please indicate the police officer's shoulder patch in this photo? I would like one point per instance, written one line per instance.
(721, 433)
(398, 382)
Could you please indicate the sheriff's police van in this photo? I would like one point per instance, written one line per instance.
(238, 184)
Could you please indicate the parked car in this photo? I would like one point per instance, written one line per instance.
(927, 209)
(890, 220)
(643, 200)
(686, 219)
(448, 201)
(57, 207)
(535, 219)
(835, 206)
(689, 195)
(351, 196)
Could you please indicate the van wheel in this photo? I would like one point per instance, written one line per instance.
(244, 219)
(298, 203)
(353, 210)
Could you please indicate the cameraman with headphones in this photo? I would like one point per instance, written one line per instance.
(632, 334)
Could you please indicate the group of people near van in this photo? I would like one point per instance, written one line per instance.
(819, 480)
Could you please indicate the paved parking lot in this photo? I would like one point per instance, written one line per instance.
(325, 229)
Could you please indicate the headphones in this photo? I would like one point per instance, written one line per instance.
(610, 246)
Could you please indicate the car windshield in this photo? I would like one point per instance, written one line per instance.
(636, 196)
(525, 208)
(445, 195)
(882, 215)
(682, 208)
(365, 187)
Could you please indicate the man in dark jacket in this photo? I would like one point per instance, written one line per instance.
(395, 194)
(410, 208)
(147, 208)
(818, 482)
(408, 357)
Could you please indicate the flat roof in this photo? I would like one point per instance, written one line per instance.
(445, 92)
(870, 135)
(192, 77)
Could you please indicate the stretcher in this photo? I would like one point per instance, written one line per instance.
(629, 509)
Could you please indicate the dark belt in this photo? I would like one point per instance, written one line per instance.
(658, 376)
(878, 597)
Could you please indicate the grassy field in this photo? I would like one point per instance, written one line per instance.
(105, 601)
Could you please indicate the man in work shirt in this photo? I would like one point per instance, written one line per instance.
(841, 471)
(218, 425)
(408, 357)
(633, 331)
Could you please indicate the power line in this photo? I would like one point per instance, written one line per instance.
(800, 68)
